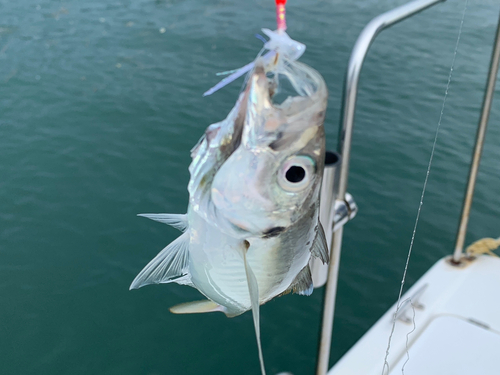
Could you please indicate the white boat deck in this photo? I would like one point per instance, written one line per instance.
(457, 327)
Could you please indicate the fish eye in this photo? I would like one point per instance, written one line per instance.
(296, 173)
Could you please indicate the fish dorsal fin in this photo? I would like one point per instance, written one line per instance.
(197, 307)
(177, 221)
(170, 265)
(319, 248)
(253, 289)
(302, 284)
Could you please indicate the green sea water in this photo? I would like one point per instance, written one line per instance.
(100, 103)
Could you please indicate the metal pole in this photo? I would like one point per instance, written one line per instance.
(478, 148)
(358, 55)
(319, 271)
(356, 60)
(329, 304)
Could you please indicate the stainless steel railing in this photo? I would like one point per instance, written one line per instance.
(478, 148)
(357, 58)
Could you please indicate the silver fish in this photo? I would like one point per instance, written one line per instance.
(252, 223)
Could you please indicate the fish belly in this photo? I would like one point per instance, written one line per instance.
(217, 266)
(276, 265)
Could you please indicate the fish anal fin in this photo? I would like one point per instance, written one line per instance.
(287, 291)
(302, 284)
(319, 248)
(197, 307)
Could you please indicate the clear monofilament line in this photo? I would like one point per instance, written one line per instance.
(398, 305)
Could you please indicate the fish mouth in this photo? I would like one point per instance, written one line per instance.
(268, 233)
(273, 232)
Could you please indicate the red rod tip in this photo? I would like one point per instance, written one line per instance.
(280, 14)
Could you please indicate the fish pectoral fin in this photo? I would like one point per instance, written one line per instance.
(319, 248)
(170, 265)
(177, 221)
(302, 284)
(197, 307)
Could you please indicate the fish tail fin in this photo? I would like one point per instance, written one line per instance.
(204, 306)
(197, 307)
(177, 221)
(253, 289)
(170, 265)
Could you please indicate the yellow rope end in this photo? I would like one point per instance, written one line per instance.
(483, 246)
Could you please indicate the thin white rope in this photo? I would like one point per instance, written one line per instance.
(398, 305)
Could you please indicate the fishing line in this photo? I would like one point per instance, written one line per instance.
(408, 336)
(398, 305)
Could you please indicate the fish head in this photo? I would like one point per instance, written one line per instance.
(273, 178)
